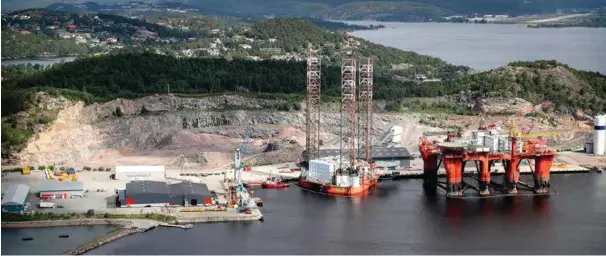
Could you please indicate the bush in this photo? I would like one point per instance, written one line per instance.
(15, 137)
(296, 106)
(108, 169)
(52, 167)
(41, 167)
(118, 112)
(12, 170)
(90, 213)
(86, 168)
(62, 168)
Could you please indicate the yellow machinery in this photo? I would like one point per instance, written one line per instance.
(26, 170)
(67, 177)
(50, 174)
(63, 177)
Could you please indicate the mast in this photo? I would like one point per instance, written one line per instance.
(348, 150)
(312, 107)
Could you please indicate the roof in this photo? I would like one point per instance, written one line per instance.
(140, 168)
(53, 185)
(146, 187)
(15, 195)
(376, 152)
(188, 188)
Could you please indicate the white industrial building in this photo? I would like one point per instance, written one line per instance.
(140, 172)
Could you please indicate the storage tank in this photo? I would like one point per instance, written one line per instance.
(599, 134)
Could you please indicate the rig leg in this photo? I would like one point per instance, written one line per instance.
(430, 174)
(484, 177)
(512, 175)
(542, 173)
(454, 172)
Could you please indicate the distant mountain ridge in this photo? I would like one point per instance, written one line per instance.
(394, 10)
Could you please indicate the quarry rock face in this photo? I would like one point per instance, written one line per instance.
(164, 122)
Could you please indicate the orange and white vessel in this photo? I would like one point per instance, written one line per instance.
(328, 178)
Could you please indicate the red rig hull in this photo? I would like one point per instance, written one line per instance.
(365, 188)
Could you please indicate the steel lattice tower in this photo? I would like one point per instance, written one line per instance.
(365, 108)
(312, 106)
(348, 150)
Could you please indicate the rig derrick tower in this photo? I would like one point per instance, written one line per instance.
(365, 108)
(348, 126)
(312, 106)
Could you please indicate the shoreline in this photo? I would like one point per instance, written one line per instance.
(125, 227)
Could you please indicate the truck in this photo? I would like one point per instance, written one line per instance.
(46, 205)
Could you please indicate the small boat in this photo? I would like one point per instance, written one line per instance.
(27, 238)
(64, 236)
(275, 183)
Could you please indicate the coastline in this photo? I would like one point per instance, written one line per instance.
(127, 227)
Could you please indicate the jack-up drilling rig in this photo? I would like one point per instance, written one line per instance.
(345, 175)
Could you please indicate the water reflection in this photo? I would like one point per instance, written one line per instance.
(541, 205)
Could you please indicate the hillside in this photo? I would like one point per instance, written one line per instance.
(385, 11)
(294, 34)
(43, 33)
(569, 89)
(311, 8)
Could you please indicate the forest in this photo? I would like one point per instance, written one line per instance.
(17, 45)
(131, 75)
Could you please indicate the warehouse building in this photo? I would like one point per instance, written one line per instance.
(191, 194)
(53, 189)
(155, 193)
(384, 157)
(140, 172)
(15, 199)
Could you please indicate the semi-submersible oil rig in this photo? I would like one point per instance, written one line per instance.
(484, 148)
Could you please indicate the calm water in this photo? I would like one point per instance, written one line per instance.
(398, 219)
(47, 240)
(488, 46)
(41, 61)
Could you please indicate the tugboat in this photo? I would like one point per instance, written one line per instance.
(64, 236)
(274, 183)
(27, 238)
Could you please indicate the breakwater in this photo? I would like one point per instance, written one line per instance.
(114, 235)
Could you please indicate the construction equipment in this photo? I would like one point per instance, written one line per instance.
(26, 170)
